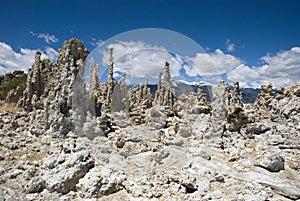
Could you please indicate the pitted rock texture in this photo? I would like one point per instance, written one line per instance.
(52, 90)
(139, 162)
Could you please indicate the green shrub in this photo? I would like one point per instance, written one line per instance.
(12, 84)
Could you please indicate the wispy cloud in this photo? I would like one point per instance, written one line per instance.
(48, 38)
(230, 46)
(10, 60)
(96, 42)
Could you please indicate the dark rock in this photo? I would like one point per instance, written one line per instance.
(218, 178)
(257, 129)
(36, 185)
(271, 162)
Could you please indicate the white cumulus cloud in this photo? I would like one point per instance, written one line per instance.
(10, 60)
(282, 69)
(138, 59)
(48, 38)
(214, 63)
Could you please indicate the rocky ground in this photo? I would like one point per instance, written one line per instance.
(187, 149)
(261, 162)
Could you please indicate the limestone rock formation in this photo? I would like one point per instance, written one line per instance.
(105, 91)
(35, 85)
(52, 90)
(264, 98)
(236, 114)
(119, 99)
(94, 78)
(139, 99)
(194, 103)
(164, 95)
(140, 96)
(286, 102)
(218, 114)
(234, 96)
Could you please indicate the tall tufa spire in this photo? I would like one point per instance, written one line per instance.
(164, 95)
(111, 65)
(166, 73)
(94, 77)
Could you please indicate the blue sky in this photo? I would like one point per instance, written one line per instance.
(248, 30)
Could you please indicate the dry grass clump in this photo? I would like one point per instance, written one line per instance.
(10, 107)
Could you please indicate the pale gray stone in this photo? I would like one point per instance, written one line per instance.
(100, 181)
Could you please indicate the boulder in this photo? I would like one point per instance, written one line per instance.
(61, 172)
(156, 118)
(257, 129)
(184, 131)
(100, 181)
(271, 162)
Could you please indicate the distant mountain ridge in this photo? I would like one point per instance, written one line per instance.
(182, 86)
(249, 94)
